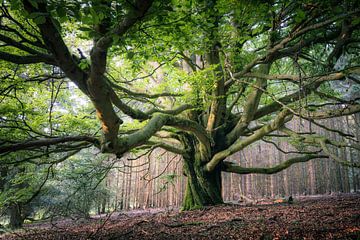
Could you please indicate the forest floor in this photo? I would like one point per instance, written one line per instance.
(316, 217)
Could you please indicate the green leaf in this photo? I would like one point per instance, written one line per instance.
(130, 55)
(15, 5)
(94, 15)
(34, 3)
(86, 29)
(63, 19)
(116, 39)
(355, 21)
(40, 20)
(86, 19)
(61, 12)
(300, 16)
(34, 15)
(84, 64)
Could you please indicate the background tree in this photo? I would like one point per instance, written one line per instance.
(202, 79)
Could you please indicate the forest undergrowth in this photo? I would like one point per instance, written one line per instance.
(312, 217)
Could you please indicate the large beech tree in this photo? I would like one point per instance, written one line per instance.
(202, 79)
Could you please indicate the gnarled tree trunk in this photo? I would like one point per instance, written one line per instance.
(203, 188)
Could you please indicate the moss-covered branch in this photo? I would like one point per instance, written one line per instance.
(242, 143)
(57, 47)
(323, 142)
(141, 115)
(348, 110)
(174, 111)
(251, 105)
(46, 142)
(229, 167)
(142, 94)
(313, 83)
(333, 156)
(167, 147)
(154, 125)
(218, 103)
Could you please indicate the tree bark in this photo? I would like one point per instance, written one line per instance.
(16, 219)
(203, 188)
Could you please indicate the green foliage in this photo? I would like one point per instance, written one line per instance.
(167, 179)
(169, 51)
(197, 85)
(77, 187)
(298, 144)
(74, 188)
(84, 64)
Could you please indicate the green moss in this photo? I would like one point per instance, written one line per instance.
(201, 190)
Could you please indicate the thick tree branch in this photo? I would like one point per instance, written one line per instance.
(47, 142)
(19, 45)
(56, 45)
(280, 49)
(142, 94)
(301, 31)
(99, 51)
(138, 11)
(140, 115)
(166, 147)
(28, 59)
(343, 39)
(242, 143)
(154, 125)
(251, 106)
(229, 167)
(287, 77)
(174, 111)
(312, 84)
(322, 142)
(218, 103)
(101, 94)
(331, 113)
(133, 113)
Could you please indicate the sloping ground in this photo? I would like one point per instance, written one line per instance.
(326, 217)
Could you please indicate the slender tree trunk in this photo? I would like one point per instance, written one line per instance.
(15, 208)
(122, 195)
(103, 205)
(117, 191)
(16, 220)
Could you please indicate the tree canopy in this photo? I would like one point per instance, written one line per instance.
(202, 79)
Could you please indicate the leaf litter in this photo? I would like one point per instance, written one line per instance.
(315, 217)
